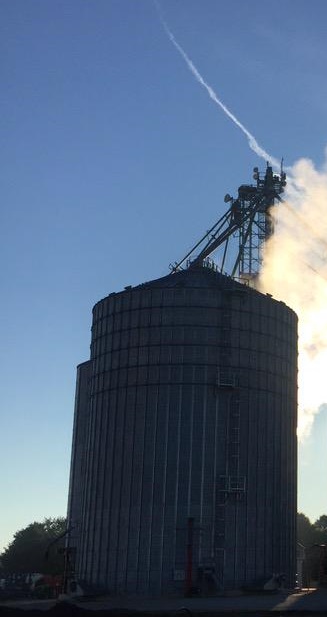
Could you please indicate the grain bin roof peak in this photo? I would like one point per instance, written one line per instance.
(196, 277)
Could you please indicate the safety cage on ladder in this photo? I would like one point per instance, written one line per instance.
(226, 377)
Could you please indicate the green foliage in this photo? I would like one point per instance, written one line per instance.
(321, 524)
(309, 534)
(34, 548)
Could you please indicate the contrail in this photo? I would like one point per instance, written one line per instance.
(251, 139)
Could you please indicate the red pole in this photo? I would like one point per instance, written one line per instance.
(189, 555)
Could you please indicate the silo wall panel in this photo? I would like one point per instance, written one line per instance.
(171, 483)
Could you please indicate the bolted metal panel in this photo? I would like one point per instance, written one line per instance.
(191, 415)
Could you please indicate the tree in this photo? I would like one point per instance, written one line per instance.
(309, 534)
(321, 524)
(305, 532)
(34, 549)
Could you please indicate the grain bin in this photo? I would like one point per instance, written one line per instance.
(186, 470)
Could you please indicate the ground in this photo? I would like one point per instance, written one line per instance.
(308, 602)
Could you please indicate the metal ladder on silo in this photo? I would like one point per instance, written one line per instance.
(231, 485)
(225, 382)
(227, 379)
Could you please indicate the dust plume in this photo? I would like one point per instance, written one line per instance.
(295, 271)
(212, 94)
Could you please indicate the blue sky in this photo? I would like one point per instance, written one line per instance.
(114, 161)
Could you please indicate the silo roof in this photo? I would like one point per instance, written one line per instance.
(194, 277)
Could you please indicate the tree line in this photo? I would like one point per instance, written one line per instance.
(36, 549)
(309, 533)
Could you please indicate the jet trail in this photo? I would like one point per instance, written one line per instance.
(251, 139)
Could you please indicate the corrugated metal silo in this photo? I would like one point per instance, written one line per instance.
(191, 427)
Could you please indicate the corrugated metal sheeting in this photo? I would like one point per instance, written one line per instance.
(187, 409)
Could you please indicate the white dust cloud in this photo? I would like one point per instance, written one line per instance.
(295, 271)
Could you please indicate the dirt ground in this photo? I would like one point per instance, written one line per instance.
(306, 603)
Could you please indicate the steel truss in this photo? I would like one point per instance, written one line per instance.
(247, 218)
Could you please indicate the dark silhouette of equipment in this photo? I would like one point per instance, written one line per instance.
(249, 219)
